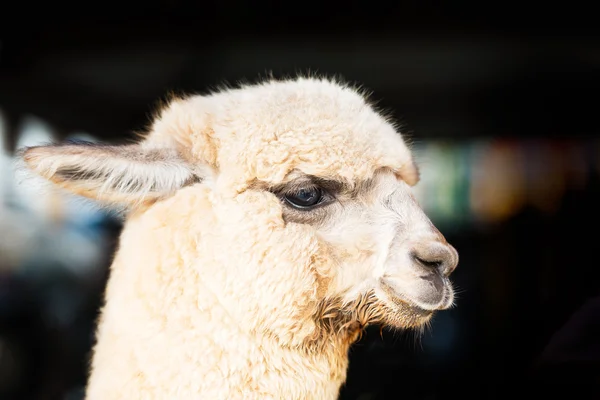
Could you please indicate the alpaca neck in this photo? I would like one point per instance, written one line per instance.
(315, 372)
(205, 354)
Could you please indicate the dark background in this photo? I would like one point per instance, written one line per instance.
(526, 77)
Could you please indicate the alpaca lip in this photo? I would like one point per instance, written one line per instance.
(407, 307)
(403, 301)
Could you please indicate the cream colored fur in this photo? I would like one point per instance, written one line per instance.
(222, 290)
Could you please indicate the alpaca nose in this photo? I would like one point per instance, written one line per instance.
(435, 255)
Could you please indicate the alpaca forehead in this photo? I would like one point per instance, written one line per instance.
(318, 127)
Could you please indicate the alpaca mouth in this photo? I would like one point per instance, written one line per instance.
(417, 306)
(402, 313)
(408, 307)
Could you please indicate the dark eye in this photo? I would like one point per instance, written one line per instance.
(305, 198)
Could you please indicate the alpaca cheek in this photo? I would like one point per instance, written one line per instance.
(354, 248)
(262, 261)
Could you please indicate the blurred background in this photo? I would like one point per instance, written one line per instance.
(500, 103)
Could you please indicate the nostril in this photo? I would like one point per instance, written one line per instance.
(435, 264)
(435, 256)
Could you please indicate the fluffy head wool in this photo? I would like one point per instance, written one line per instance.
(220, 289)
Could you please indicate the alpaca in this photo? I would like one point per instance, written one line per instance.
(267, 225)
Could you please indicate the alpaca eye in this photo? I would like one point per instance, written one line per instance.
(305, 198)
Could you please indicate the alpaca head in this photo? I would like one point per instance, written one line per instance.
(313, 227)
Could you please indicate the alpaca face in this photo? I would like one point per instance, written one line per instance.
(383, 253)
(310, 188)
(387, 252)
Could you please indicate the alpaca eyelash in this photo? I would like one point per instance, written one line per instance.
(329, 187)
(296, 191)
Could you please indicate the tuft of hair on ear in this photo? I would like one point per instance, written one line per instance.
(409, 172)
(127, 175)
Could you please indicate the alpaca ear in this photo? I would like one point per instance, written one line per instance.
(126, 174)
(409, 173)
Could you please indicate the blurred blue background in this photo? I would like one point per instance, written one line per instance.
(501, 108)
